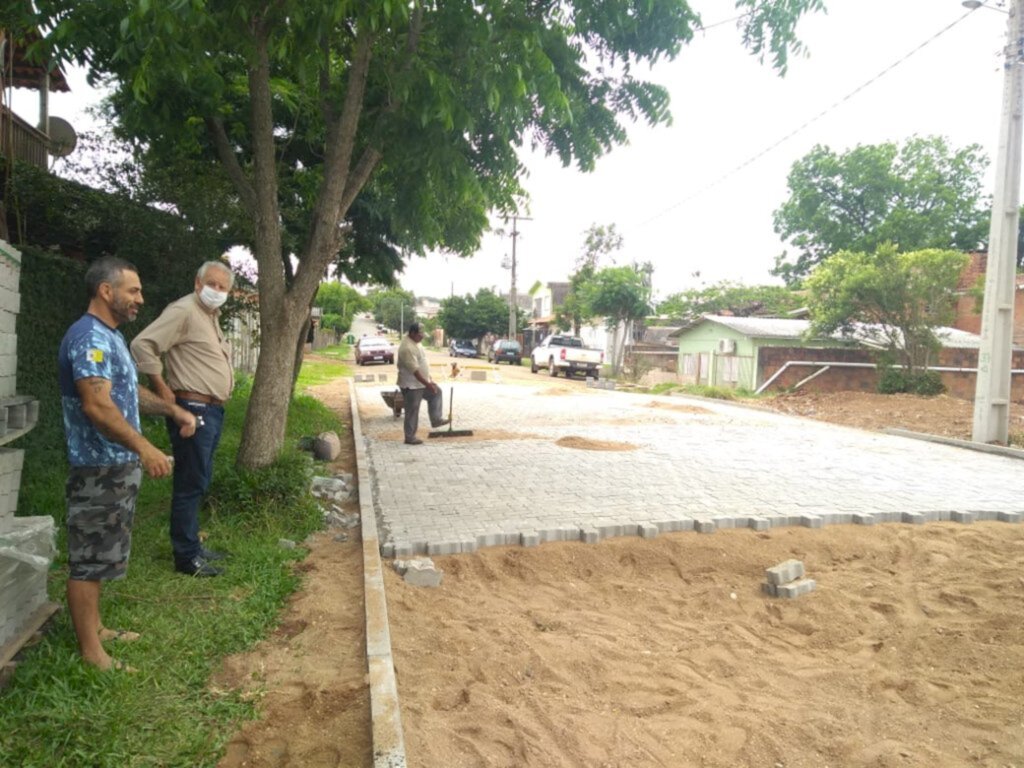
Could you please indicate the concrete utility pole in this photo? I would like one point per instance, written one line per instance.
(513, 304)
(992, 395)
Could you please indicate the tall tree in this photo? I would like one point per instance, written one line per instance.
(730, 298)
(923, 194)
(416, 108)
(621, 296)
(470, 317)
(393, 307)
(903, 297)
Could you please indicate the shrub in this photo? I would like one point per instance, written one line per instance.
(895, 380)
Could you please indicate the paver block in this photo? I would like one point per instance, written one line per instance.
(647, 530)
(704, 526)
(387, 549)
(810, 521)
(490, 539)
(478, 375)
(529, 539)
(1008, 517)
(913, 518)
(796, 588)
(962, 517)
(403, 549)
(769, 589)
(589, 535)
(786, 571)
(758, 523)
(419, 573)
(609, 530)
(986, 514)
(725, 522)
(467, 545)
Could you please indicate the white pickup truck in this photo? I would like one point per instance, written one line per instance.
(567, 354)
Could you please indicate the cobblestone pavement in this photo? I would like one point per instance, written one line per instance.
(661, 464)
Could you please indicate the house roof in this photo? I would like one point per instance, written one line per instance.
(25, 74)
(782, 328)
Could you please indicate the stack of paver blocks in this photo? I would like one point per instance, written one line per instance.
(26, 543)
(787, 580)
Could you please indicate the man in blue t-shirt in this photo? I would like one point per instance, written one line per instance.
(101, 400)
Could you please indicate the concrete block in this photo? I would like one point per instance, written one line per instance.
(726, 522)
(862, 518)
(986, 514)
(492, 539)
(784, 572)
(403, 549)
(609, 530)
(590, 382)
(758, 523)
(962, 517)
(796, 588)
(769, 589)
(647, 530)
(1008, 517)
(810, 521)
(442, 548)
(589, 535)
(704, 526)
(529, 539)
(419, 572)
(913, 518)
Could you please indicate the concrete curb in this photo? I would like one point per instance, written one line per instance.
(999, 450)
(385, 715)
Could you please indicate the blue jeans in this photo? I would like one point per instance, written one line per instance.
(193, 469)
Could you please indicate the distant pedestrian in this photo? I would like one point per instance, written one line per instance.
(187, 340)
(101, 401)
(416, 385)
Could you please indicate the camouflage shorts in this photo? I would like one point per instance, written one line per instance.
(101, 508)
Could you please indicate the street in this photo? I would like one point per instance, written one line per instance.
(553, 460)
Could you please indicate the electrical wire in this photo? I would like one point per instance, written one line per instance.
(753, 158)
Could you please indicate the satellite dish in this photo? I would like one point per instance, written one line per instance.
(62, 137)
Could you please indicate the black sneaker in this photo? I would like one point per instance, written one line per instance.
(197, 566)
(211, 555)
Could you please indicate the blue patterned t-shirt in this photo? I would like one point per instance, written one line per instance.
(93, 349)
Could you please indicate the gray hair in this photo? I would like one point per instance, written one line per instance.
(107, 269)
(208, 265)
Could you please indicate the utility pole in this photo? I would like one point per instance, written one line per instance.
(513, 304)
(992, 394)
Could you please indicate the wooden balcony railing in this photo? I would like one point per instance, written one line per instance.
(20, 141)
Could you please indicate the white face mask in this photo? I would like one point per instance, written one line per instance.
(212, 298)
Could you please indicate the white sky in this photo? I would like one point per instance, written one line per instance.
(674, 193)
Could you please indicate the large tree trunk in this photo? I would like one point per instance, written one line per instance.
(267, 415)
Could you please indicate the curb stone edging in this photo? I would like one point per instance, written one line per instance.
(385, 714)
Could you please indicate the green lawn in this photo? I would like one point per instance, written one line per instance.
(57, 712)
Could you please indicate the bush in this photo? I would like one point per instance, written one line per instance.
(896, 380)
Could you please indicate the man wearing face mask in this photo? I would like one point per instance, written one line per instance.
(188, 362)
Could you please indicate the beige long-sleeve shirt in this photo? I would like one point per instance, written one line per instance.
(187, 339)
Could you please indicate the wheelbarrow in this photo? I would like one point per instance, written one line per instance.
(394, 400)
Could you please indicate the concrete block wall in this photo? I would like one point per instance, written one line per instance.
(26, 543)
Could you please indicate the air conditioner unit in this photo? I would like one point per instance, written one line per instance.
(727, 346)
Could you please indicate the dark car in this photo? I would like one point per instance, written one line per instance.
(507, 351)
(374, 349)
(461, 348)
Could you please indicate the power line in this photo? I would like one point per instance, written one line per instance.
(804, 125)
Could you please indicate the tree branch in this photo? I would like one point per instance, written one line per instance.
(219, 137)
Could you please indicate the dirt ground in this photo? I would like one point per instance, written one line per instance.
(664, 652)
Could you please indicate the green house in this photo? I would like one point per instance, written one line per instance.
(723, 351)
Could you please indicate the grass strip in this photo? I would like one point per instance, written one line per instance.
(57, 712)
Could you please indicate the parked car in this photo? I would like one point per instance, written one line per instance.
(568, 354)
(461, 348)
(374, 349)
(505, 350)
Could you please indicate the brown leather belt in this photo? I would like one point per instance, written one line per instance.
(197, 397)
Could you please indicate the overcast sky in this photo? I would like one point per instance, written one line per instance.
(698, 196)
